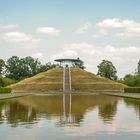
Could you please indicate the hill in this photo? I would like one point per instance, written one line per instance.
(46, 81)
(52, 80)
(86, 81)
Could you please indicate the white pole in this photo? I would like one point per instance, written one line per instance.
(70, 77)
(64, 79)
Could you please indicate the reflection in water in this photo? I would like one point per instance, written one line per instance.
(69, 116)
(135, 104)
(108, 111)
(1, 114)
(16, 113)
(67, 109)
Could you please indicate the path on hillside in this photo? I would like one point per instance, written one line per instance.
(67, 79)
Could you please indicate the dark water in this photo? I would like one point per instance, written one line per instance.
(70, 117)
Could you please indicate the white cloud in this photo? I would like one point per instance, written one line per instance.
(37, 55)
(124, 58)
(48, 30)
(19, 37)
(130, 32)
(65, 54)
(8, 26)
(117, 23)
(89, 128)
(112, 26)
(129, 28)
(83, 28)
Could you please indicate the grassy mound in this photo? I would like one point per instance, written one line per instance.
(83, 80)
(50, 80)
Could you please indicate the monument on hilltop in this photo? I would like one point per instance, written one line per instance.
(67, 62)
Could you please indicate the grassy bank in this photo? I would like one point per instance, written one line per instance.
(4, 90)
(15, 95)
(127, 95)
(6, 81)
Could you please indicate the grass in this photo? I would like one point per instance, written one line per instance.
(50, 80)
(6, 81)
(82, 80)
(4, 90)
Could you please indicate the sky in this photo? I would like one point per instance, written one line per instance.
(93, 30)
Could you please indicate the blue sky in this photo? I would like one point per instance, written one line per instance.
(90, 29)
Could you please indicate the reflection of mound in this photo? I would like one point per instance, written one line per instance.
(54, 106)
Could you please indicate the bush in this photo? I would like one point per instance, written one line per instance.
(6, 81)
(132, 89)
(5, 90)
(132, 80)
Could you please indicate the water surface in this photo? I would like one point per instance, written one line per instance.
(70, 117)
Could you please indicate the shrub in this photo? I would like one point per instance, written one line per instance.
(132, 80)
(132, 89)
(5, 90)
(6, 81)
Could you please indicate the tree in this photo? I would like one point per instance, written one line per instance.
(107, 69)
(32, 65)
(17, 68)
(2, 64)
(139, 66)
(129, 80)
(47, 66)
(132, 80)
(79, 63)
(13, 68)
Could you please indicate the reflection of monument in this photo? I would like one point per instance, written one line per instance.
(67, 106)
(67, 119)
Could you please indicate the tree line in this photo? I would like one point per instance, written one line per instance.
(108, 70)
(19, 68)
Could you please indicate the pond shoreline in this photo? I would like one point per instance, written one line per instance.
(126, 95)
(117, 94)
(13, 95)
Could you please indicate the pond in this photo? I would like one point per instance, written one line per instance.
(70, 117)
